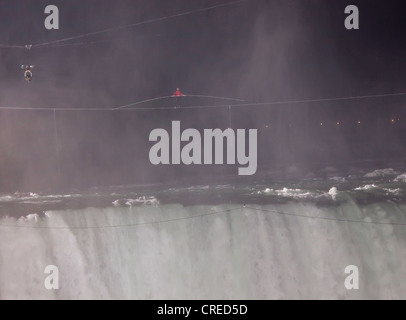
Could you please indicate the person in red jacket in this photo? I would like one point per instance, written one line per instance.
(178, 94)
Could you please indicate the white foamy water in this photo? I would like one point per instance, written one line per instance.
(142, 200)
(289, 193)
(367, 187)
(333, 192)
(401, 177)
(243, 254)
(381, 173)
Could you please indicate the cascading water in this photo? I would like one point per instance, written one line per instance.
(221, 251)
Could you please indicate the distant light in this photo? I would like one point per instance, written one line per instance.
(359, 122)
(266, 126)
(393, 120)
(338, 123)
(321, 123)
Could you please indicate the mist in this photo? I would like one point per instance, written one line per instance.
(258, 51)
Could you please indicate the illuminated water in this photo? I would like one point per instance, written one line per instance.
(210, 241)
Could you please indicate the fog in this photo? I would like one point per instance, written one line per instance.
(258, 51)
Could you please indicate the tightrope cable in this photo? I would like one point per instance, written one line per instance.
(186, 13)
(248, 104)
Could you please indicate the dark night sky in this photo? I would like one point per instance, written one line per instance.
(257, 51)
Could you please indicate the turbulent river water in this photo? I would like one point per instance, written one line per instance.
(254, 240)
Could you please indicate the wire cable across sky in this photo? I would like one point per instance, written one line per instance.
(171, 97)
(245, 104)
(118, 28)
